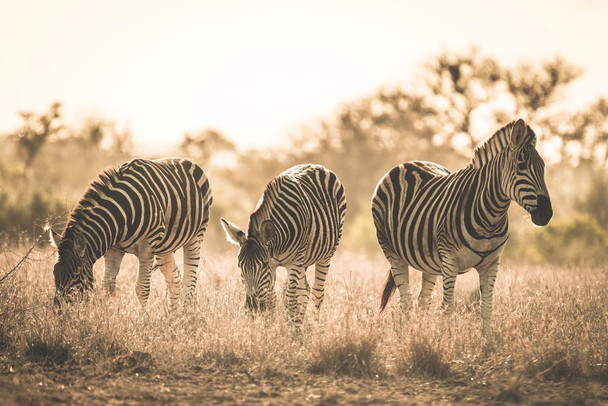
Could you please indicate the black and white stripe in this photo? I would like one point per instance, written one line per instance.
(444, 223)
(297, 222)
(149, 208)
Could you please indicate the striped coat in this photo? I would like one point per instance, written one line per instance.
(444, 223)
(297, 223)
(149, 208)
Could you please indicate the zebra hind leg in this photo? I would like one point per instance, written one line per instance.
(112, 260)
(167, 265)
(428, 282)
(318, 287)
(401, 276)
(192, 256)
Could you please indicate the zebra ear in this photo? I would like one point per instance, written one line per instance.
(518, 134)
(267, 231)
(54, 237)
(234, 234)
(80, 245)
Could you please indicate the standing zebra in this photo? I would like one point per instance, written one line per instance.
(147, 208)
(444, 223)
(297, 222)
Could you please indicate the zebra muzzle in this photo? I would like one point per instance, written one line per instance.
(254, 304)
(543, 212)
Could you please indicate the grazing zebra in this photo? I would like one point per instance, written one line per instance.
(444, 223)
(297, 222)
(147, 208)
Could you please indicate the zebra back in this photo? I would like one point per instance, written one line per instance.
(307, 204)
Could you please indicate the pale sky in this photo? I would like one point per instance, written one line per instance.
(257, 70)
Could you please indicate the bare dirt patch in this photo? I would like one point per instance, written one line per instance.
(208, 385)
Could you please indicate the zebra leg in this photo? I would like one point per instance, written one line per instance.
(192, 256)
(428, 282)
(294, 276)
(112, 260)
(401, 276)
(318, 287)
(271, 296)
(142, 289)
(167, 265)
(448, 276)
(487, 278)
(303, 295)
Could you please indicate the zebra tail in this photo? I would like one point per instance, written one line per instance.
(389, 289)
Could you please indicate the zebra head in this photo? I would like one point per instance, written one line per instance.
(254, 262)
(526, 174)
(73, 270)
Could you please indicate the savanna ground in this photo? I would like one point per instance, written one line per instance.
(550, 329)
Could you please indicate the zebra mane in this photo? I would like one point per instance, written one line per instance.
(103, 181)
(257, 216)
(495, 144)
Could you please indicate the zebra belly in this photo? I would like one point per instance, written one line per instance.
(139, 249)
(465, 258)
(468, 258)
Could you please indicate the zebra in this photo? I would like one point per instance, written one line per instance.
(149, 208)
(297, 222)
(444, 223)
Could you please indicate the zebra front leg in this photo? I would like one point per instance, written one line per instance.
(487, 278)
(448, 276)
(294, 297)
(270, 294)
(401, 276)
(167, 265)
(142, 289)
(428, 282)
(318, 287)
(112, 260)
(303, 295)
(192, 256)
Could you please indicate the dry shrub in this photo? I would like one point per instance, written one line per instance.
(348, 354)
(12, 310)
(221, 359)
(136, 362)
(47, 353)
(424, 357)
(565, 364)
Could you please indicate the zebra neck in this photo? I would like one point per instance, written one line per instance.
(99, 239)
(489, 203)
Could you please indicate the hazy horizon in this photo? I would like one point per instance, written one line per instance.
(258, 71)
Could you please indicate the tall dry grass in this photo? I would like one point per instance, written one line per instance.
(549, 323)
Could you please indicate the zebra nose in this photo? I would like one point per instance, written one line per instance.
(251, 303)
(57, 305)
(543, 212)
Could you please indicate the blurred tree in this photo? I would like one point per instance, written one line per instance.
(535, 89)
(35, 131)
(457, 86)
(594, 201)
(583, 135)
(205, 144)
(99, 133)
(366, 139)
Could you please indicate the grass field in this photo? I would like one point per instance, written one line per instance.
(550, 328)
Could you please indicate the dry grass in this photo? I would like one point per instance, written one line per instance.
(549, 324)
